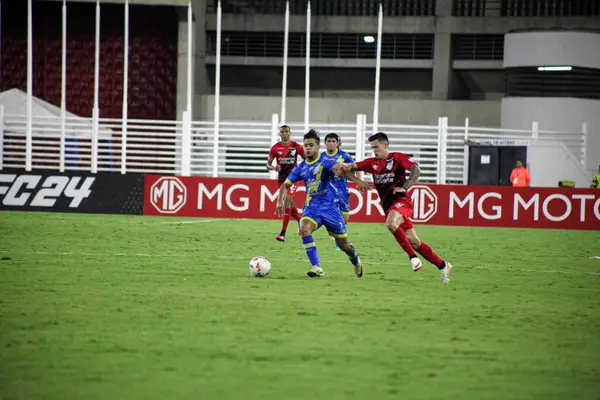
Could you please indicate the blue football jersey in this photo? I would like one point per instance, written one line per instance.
(340, 183)
(318, 178)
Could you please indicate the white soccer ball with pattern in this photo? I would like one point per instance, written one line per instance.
(260, 266)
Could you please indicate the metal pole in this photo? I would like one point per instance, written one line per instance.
(63, 89)
(125, 90)
(29, 133)
(190, 58)
(307, 73)
(217, 95)
(285, 61)
(378, 70)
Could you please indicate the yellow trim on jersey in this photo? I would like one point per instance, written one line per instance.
(289, 182)
(338, 236)
(310, 219)
(317, 159)
(308, 199)
(331, 155)
(345, 212)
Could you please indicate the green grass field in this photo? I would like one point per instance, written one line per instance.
(124, 307)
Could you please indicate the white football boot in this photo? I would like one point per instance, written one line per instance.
(315, 271)
(416, 264)
(446, 272)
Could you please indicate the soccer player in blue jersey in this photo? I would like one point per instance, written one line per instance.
(333, 152)
(322, 204)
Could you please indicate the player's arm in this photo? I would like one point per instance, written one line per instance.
(415, 172)
(270, 165)
(351, 167)
(272, 157)
(413, 168)
(359, 182)
(350, 173)
(347, 167)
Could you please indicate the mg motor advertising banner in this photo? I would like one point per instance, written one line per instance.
(494, 206)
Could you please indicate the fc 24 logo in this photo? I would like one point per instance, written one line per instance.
(18, 190)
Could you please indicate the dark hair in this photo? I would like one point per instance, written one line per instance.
(334, 136)
(285, 126)
(313, 134)
(380, 136)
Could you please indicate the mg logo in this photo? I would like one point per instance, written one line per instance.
(425, 203)
(168, 195)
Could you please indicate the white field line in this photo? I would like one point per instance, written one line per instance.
(230, 258)
(199, 221)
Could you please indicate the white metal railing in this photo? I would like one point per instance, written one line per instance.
(239, 148)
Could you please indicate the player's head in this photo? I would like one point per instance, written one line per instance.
(312, 144)
(519, 164)
(380, 144)
(285, 132)
(332, 142)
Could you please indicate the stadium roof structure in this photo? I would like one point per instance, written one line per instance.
(131, 2)
(14, 102)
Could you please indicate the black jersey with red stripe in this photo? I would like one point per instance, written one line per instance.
(287, 157)
(387, 175)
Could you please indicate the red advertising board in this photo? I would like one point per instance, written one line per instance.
(498, 206)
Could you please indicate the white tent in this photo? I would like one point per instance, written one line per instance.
(14, 102)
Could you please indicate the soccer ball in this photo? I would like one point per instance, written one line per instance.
(260, 266)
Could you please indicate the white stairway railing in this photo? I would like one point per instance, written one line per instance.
(239, 148)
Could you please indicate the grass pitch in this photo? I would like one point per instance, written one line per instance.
(122, 307)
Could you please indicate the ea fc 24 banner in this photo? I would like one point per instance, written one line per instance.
(494, 206)
(73, 191)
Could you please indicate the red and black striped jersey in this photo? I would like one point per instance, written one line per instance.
(287, 157)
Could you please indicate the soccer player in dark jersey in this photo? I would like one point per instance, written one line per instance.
(286, 154)
(321, 204)
(332, 151)
(389, 175)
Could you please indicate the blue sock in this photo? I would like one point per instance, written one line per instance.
(311, 250)
(354, 257)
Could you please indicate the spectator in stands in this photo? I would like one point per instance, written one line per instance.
(596, 180)
(519, 176)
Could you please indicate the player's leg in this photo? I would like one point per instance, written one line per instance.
(293, 210)
(427, 252)
(334, 222)
(289, 203)
(345, 210)
(309, 223)
(396, 224)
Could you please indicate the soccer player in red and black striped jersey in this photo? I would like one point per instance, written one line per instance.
(286, 154)
(389, 175)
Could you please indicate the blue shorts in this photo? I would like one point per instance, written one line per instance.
(328, 215)
(344, 203)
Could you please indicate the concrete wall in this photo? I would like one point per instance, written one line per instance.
(391, 111)
(580, 49)
(557, 114)
(548, 163)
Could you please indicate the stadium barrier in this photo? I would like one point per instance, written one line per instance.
(455, 205)
(76, 192)
(238, 149)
